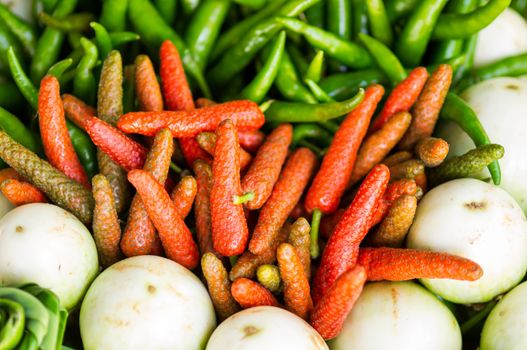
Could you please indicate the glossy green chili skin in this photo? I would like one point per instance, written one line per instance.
(447, 49)
(120, 38)
(262, 82)
(385, 58)
(204, 28)
(459, 26)
(103, 39)
(512, 66)
(359, 14)
(459, 112)
(413, 40)
(346, 52)
(315, 14)
(8, 40)
(84, 148)
(153, 31)
(318, 92)
(379, 21)
(50, 42)
(22, 30)
(167, 9)
(295, 112)
(18, 131)
(84, 85)
(339, 18)
(60, 67)
(311, 131)
(75, 22)
(230, 37)
(10, 97)
(344, 85)
(396, 9)
(288, 82)
(315, 67)
(21, 80)
(113, 15)
(240, 55)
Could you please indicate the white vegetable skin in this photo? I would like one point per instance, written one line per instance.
(398, 315)
(265, 328)
(45, 244)
(478, 221)
(500, 105)
(504, 329)
(505, 36)
(5, 205)
(146, 302)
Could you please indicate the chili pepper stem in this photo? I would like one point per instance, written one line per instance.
(249, 196)
(175, 168)
(469, 324)
(314, 249)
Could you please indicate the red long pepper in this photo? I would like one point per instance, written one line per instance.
(55, 137)
(246, 115)
(394, 264)
(342, 249)
(77, 111)
(229, 226)
(335, 171)
(178, 96)
(119, 147)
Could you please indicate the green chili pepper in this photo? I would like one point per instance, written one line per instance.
(344, 51)
(296, 112)
(314, 70)
(385, 58)
(318, 92)
(204, 28)
(459, 112)
(49, 5)
(253, 4)
(81, 143)
(63, 191)
(477, 318)
(10, 97)
(103, 39)
(467, 165)
(23, 31)
(512, 66)
(237, 31)
(18, 131)
(379, 22)
(360, 17)
(344, 85)
(262, 82)
(84, 81)
(113, 15)
(520, 6)
(71, 23)
(189, 6)
(311, 131)
(120, 38)
(60, 67)
(399, 8)
(241, 54)
(459, 26)
(469, 48)
(454, 62)
(153, 30)
(446, 49)
(50, 42)
(298, 58)
(25, 85)
(269, 277)
(339, 18)
(413, 40)
(167, 9)
(7, 40)
(289, 84)
(315, 14)
(12, 325)
(84, 148)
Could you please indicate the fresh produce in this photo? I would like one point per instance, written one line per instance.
(407, 316)
(503, 328)
(146, 295)
(506, 36)
(475, 220)
(225, 135)
(32, 318)
(5, 205)
(265, 327)
(53, 249)
(506, 97)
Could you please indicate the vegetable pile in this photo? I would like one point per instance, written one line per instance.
(269, 166)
